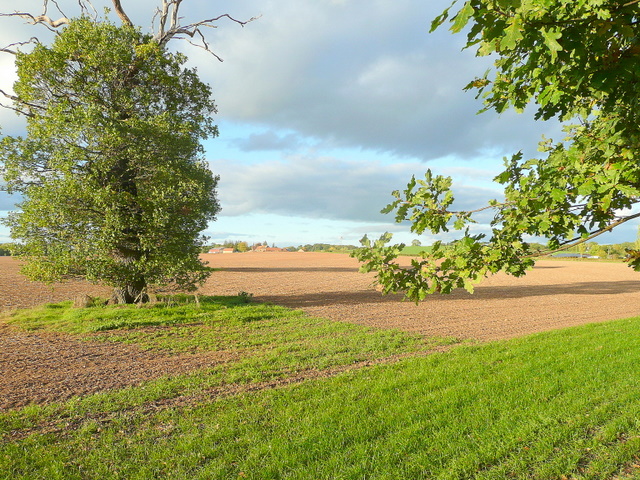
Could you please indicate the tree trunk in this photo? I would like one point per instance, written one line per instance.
(135, 292)
(134, 289)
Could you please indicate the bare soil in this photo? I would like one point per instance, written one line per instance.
(555, 294)
(37, 367)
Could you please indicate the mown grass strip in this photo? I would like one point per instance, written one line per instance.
(563, 403)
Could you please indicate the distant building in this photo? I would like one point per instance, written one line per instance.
(265, 248)
(221, 250)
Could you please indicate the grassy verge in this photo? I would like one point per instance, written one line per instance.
(563, 404)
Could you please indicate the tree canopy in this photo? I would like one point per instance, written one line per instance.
(111, 168)
(576, 61)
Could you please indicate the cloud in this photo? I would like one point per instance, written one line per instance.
(323, 187)
(317, 187)
(268, 140)
(361, 74)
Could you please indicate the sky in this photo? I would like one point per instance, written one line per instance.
(324, 108)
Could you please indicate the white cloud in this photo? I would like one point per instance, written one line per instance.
(361, 74)
(323, 187)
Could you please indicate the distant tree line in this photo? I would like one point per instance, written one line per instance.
(326, 247)
(242, 246)
(5, 249)
(613, 251)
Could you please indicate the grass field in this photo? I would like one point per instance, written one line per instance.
(562, 404)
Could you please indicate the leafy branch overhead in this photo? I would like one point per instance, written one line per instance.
(111, 169)
(578, 62)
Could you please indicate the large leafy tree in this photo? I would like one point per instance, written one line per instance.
(574, 60)
(115, 188)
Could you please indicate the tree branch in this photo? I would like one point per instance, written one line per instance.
(35, 19)
(18, 101)
(171, 8)
(592, 235)
(45, 6)
(83, 8)
(9, 107)
(13, 52)
(123, 16)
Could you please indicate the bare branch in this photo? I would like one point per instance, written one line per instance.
(9, 96)
(14, 52)
(174, 15)
(35, 19)
(171, 7)
(123, 16)
(17, 110)
(9, 107)
(85, 10)
(204, 47)
(57, 7)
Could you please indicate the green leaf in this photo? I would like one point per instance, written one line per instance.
(579, 183)
(440, 19)
(462, 17)
(558, 195)
(512, 34)
(551, 41)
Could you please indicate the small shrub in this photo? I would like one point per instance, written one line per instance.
(245, 297)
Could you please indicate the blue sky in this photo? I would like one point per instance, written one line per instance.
(325, 107)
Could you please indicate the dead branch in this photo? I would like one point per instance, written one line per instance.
(167, 16)
(123, 16)
(47, 21)
(45, 6)
(192, 30)
(14, 52)
(204, 45)
(85, 10)
(42, 19)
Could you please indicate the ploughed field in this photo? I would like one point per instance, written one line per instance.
(41, 367)
(553, 295)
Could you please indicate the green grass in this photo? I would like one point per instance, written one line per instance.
(414, 251)
(258, 342)
(562, 404)
(174, 310)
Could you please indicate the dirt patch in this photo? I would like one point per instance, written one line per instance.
(45, 367)
(16, 291)
(42, 367)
